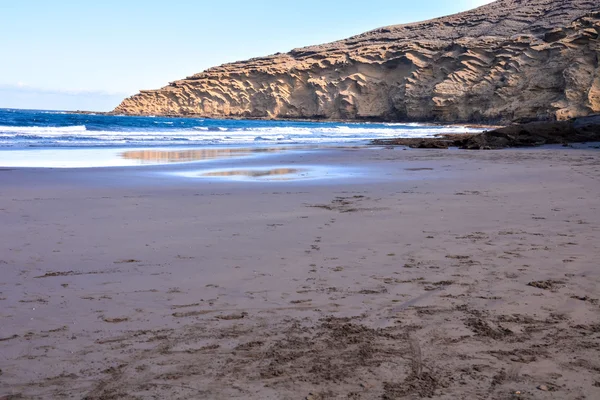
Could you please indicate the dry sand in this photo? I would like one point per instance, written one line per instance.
(442, 274)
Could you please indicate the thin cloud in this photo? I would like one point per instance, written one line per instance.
(23, 96)
(23, 87)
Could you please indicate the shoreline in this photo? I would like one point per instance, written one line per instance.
(533, 134)
(466, 124)
(428, 273)
(187, 157)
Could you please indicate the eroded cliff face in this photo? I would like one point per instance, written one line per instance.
(510, 60)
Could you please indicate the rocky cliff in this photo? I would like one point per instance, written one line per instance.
(508, 61)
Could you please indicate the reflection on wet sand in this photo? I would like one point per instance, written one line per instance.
(270, 173)
(154, 156)
(255, 173)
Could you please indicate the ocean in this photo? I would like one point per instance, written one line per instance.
(20, 129)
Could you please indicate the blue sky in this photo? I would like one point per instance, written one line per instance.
(74, 54)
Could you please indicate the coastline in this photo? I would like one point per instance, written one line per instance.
(429, 273)
(466, 124)
(51, 129)
(493, 136)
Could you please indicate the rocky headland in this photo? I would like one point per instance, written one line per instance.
(509, 61)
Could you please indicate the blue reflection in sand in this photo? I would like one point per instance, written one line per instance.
(114, 157)
(270, 173)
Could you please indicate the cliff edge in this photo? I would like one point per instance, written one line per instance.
(511, 60)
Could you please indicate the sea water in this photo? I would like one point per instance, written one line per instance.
(54, 139)
(52, 129)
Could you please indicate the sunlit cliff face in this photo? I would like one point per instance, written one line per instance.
(512, 60)
(179, 156)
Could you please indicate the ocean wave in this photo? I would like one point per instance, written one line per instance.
(214, 128)
(336, 131)
(111, 131)
(42, 130)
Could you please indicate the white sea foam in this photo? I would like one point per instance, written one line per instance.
(41, 130)
(80, 135)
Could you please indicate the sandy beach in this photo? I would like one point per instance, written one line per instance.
(410, 274)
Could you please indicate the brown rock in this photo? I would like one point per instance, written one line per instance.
(577, 130)
(585, 129)
(438, 142)
(511, 60)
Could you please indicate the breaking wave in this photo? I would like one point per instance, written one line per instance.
(29, 129)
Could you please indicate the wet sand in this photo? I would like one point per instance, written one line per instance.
(419, 273)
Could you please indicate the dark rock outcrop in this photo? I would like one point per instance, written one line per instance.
(576, 130)
(442, 141)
